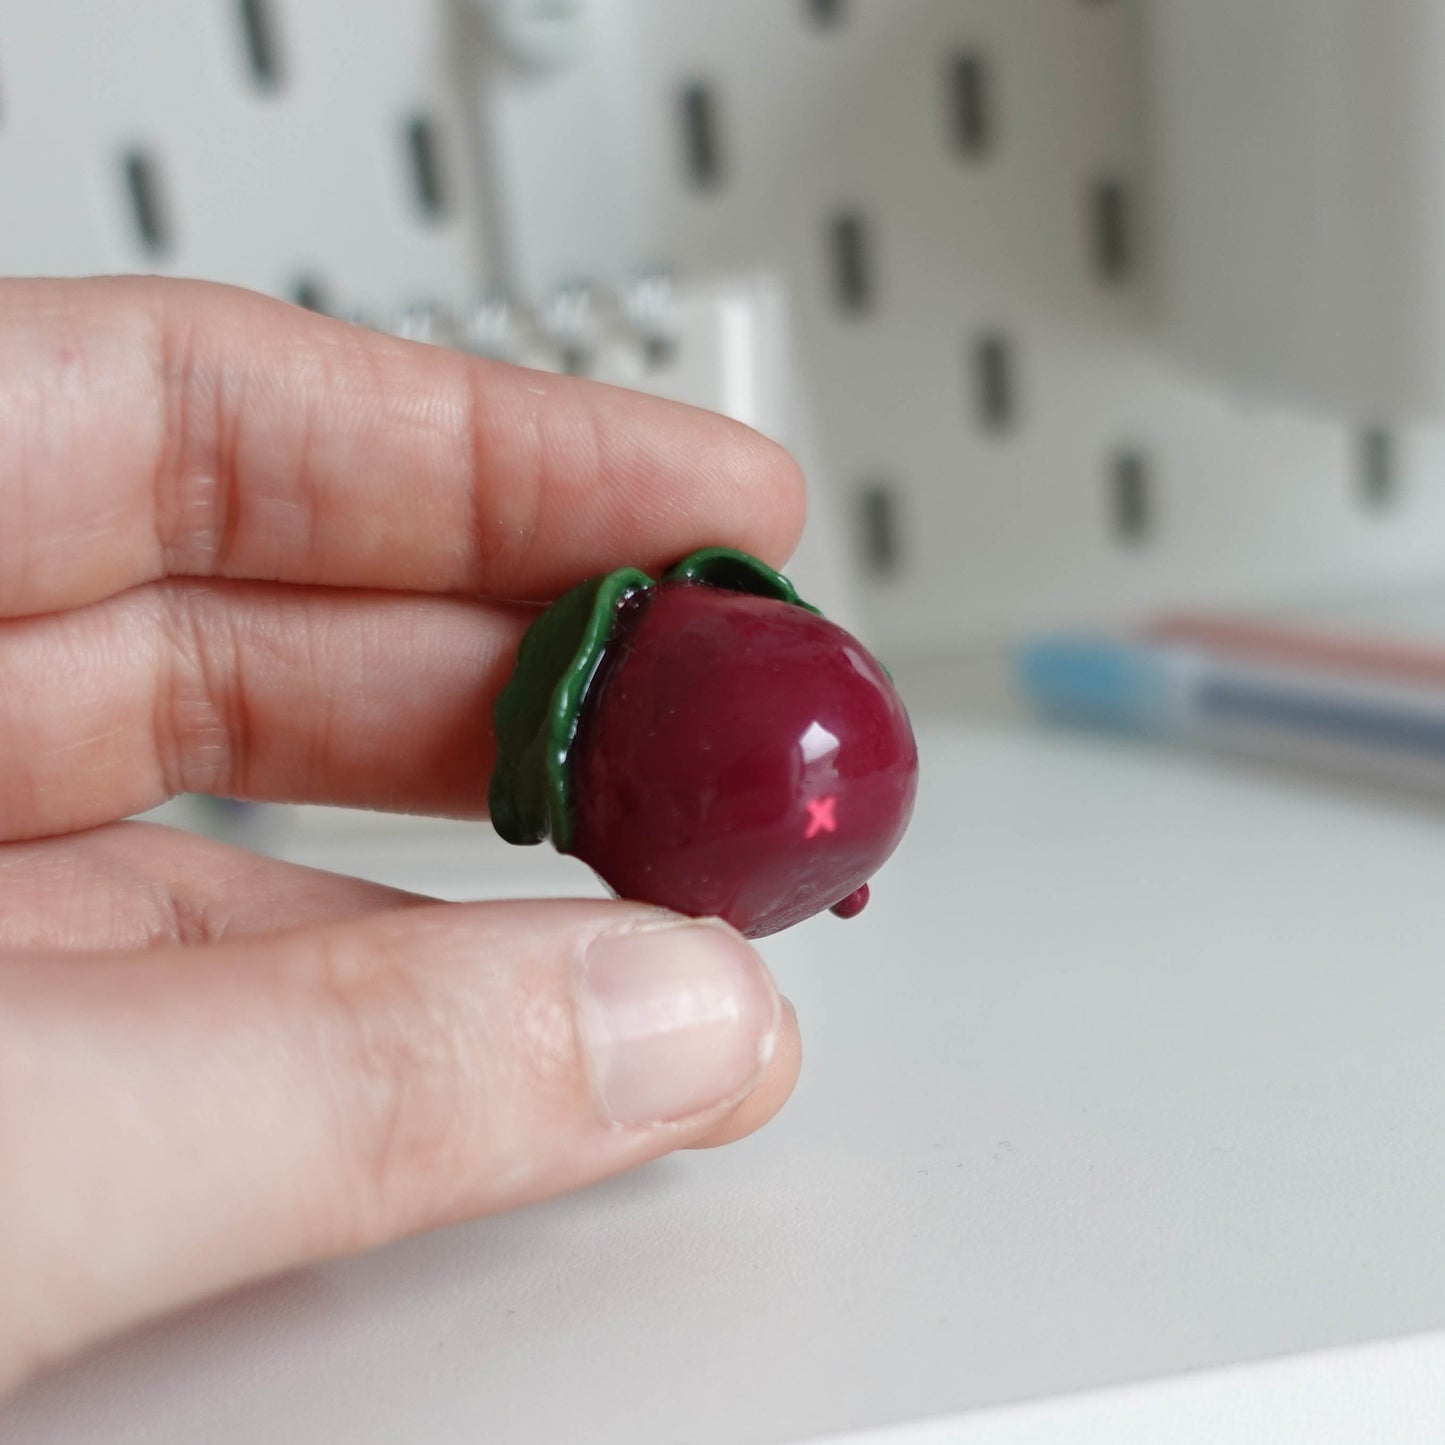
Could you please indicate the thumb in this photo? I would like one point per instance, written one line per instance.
(176, 1122)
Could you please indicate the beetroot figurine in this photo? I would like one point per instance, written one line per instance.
(708, 743)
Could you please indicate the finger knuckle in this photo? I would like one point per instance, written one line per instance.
(407, 1072)
(205, 725)
(195, 494)
(503, 523)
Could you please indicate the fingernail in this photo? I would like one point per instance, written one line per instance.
(675, 1019)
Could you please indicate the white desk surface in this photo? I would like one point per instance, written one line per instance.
(1134, 1070)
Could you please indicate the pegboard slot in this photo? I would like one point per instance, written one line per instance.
(309, 293)
(878, 520)
(970, 105)
(853, 283)
(1379, 469)
(701, 149)
(658, 352)
(995, 383)
(258, 35)
(1131, 497)
(423, 149)
(1110, 224)
(825, 13)
(145, 194)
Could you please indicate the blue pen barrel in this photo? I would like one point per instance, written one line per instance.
(1103, 682)
(1346, 725)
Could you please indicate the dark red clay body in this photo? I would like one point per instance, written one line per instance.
(740, 757)
(708, 743)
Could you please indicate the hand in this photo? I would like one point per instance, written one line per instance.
(255, 553)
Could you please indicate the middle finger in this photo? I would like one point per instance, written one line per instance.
(249, 690)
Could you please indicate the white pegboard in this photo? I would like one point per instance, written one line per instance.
(1301, 203)
(272, 188)
(1013, 444)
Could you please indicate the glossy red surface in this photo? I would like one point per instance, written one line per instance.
(742, 758)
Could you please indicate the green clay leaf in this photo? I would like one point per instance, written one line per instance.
(536, 716)
(737, 572)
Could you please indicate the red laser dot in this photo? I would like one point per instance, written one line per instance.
(822, 817)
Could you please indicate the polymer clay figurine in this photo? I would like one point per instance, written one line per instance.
(708, 743)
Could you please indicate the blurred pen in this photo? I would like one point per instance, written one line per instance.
(1194, 697)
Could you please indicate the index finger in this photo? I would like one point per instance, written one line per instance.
(156, 428)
